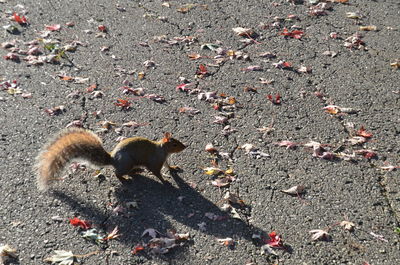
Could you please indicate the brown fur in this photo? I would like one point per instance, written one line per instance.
(69, 144)
(76, 143)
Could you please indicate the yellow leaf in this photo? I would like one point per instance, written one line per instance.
(212, 171)
(368, 28)
(141, 75)
(229, 171)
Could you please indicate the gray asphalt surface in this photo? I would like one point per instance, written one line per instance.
(140, 33)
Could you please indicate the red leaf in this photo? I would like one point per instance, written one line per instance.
(184, 87)
(202, 70)
(297, 34)
(274, 240)
(123, 103)
(20, 20)
(275, 101)
(102, 28)
(368, 154)
(137, 249)
(81, 223)
(362, 132)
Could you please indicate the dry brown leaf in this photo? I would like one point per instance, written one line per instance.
(295, 190)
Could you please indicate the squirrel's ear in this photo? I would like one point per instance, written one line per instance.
(167, 136)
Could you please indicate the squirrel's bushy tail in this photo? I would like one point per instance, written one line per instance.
(69, 144)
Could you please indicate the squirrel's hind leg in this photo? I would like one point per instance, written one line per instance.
(123, 165)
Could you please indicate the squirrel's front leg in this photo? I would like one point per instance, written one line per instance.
(156, 170)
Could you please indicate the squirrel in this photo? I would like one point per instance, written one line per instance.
(128, 155)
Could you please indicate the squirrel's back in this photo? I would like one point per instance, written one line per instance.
(69, 144)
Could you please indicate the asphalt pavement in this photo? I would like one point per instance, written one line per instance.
(290, 111)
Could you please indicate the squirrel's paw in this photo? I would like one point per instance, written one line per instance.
(175, 168)
(124, 179)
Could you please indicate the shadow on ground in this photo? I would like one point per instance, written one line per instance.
(160, 208)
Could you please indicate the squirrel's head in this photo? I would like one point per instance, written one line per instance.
(172, 145)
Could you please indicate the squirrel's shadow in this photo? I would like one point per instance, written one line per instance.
(161, 207)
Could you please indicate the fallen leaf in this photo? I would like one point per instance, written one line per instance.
(81, 223)
(149, 64)
(151, 232)
(61, 257)
(210, 148)
(209, 46)
(135, 91)
(295, 190)
(155, 97)
(226, 241)
(353, 15)
(114, 234)
(354, 42)
(297, 34)
(379, 237)
(55, 27)
(282, 65)
(333, 109)
(55, 110)
(220, 120)
(66, 78)
(75, 123)
(267, 249)
(319, 9)
(123, 103)
(252, 68)
(133, 124)
(202, 71)
(81, 80)
(287, 144)
(6, 252)
(12, 57)
(368, 28)
(389, 167)
(137, 249)
(20, 20)
(194, 56)
(304, 69)
(276, 100)
(233, 198)
(367, 153)
(266, 81)
(362, 132)
(208, 96)
(248, 148)
(330, 53)
(319, 234)
(212, 171)
(357, 140)
(268, 55)
(275, 240)
(102, 28)
(347, 225)
(244, 32)
(395, 65)
(93, 235)
(221, 182)
(184, 87)
(189, 110)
